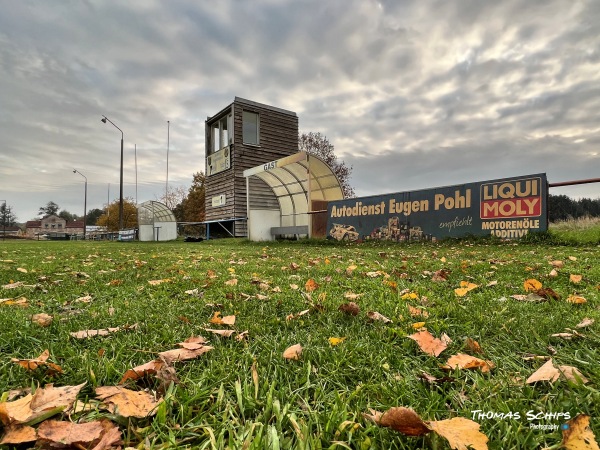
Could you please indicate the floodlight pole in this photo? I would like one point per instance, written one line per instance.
(105, 119)
(167, 183)
(84, 202)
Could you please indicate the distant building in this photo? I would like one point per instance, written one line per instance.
(10, 231)
(243, 135)
(53, 226)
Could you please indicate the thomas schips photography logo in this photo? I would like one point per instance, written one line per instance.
(537, 420)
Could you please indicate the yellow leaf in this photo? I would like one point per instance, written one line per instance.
(418, 325)
(460, 433)
(20, 269)
(128, 403)
(231, 270)
(336, 341)
(578, 435)
(465, 287)
(532, 285)
(410, 296)
(577, 299)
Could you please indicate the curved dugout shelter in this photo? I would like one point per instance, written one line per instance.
(302, 184)
(156, 222)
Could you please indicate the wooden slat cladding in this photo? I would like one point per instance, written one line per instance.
(278, 137)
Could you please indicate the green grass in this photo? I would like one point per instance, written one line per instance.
(308, 403)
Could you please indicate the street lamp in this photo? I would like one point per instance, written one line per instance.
(105, 119)
(84, 202)
(4, 220)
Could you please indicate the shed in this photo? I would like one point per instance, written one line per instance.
(156, 222)
(302, 184)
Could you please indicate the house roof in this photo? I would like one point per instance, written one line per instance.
(75, 224)
(33, 224)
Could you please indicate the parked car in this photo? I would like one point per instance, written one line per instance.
(343, 232)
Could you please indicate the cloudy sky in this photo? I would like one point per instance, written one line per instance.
(413, 94)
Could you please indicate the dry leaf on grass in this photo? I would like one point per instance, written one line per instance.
(98, 435)
(461, 433)
(41, 362)
(414, 312)
(84, 334)
(45, 403)
(149, 368)
(193, 343)
(127, 403)
(463, 361)
(293, 352)
(473, 346)
(401, 419)
(157, 282)
(435, 380)
(224, 333)
(13, 285)
(547, 293)
(429, 344)
(336, 341)
(21, 301)
(585, 323)
(42, 319)
(557, 264)
(533, 298)
(375, 316)
(311, 285)
(350, 269)
(532, 285)
(18, 434)
(232, 282)
(575, 278)
(350, 308)
(183, 354)
(352, 296)
(226, 320)
(578, 435)
(464, 288)
(550, 373)
(576, 299)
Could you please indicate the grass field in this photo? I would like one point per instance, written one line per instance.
(244, 394)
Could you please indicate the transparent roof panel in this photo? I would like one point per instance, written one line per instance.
(151, 212)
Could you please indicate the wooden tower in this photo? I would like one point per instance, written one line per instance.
(243, 135)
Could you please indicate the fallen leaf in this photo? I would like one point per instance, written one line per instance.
(22, 302)
(157, 282)
(232, 282)
(84, 299)
(578, 435)
(261, 297)
(418, 325)
(401, 419)
(311, 285)
(227, 320)
(295, 316)
(427, 343)
(149, 368)
(224, 333)
(464, 288)
(193, 343)
(575, 278)
(473, 346)
(557, 264)
(534, 298)
(435, 380)
(553, 273)
(548, 372)
(532, 285)
(42, 319)
(440, 275)
(567, 336)
(374, 315)
(295, 287)
(547, 293)
(350, 269)
(461, 433)
(41, 361)
(184, 354)
(127, 403)
(374, 274)
(336, 341)
(585, 323)
(576, 299)
(352, 296)
(350, 308)
(417, 311)
(13, 285)
(463, 361)
(18, 434)
(53, 433)
(293, 352)
(84, 334)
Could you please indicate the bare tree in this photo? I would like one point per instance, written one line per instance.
(318, 144)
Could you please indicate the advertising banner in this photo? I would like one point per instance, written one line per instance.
(508, 208)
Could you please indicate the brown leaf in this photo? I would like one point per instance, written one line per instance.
(68, 433)
(84, 334)
(42, 319)
(183, 354)
(575, 278)
(434, 380)
(157, 282)
(18, 434)
(149, 368)
(352, 296)
(427, 343)
(533, 298)
(547, 293)
(293, 352)
(440, 275)
(295, 316)
(41, 361)
(217, 319)
(311, 285)
(557, 264)
(350, 308)
(128, 403)
(463, 361)
(401, 419)
(21, 301)
(473, 346)
(13, 285)
(414, 312)
(350, 269)
(231, 282)
(193, 343)
(375, 316)
(461, 433)
(547, 372)
(578, 435)
(50, 397)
